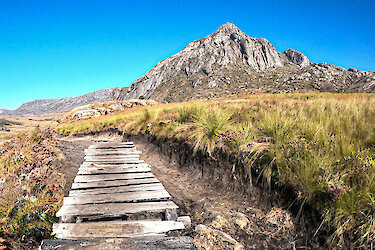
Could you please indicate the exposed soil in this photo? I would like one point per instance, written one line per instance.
(222, 215)
(73, 150)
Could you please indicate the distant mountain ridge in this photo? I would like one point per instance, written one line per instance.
(229, 62)
(45, 106)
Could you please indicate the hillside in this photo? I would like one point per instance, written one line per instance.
(230, 62)
(45, 106)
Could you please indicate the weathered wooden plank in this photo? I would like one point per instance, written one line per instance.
(104, 154)
(113, 146)
(149, 242)
(156, 195)
(114, 229)
(110, 157)
(115, 161)
(113, 170)
(114, 190)
(111, 143)
(112, 151)
(115, 183)
(110, 177)
(107, 210)
(120, 165)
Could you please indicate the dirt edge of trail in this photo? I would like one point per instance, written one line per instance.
(226, 212)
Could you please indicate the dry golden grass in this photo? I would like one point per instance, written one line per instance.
(29, 124)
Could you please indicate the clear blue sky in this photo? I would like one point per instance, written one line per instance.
(55, 49)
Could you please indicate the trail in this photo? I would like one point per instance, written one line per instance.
(221, 218)
(115, 196)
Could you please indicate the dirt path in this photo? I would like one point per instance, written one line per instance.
(220, 219)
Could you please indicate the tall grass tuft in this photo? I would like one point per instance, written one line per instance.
(189, 113)
(209, 127)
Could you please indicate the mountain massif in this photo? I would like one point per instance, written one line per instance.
(224, 63)
(229, 62)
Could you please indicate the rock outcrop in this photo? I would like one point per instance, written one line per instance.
(104, 108)
(297, 57)
(230, 62)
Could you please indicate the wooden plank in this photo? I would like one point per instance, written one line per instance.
(108, 177)
(114, 190)
(105, 144)
(103, 155)
(108, 210)
(113, 146)
(115, 161)
(110, 157)
(149, 242)
(115, 143)
(120, 165)
(156, 195)
(113, 170)
(116, 183)
(114, 229)
(114, 167)
(112, 153)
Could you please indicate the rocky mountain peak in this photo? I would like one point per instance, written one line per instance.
(226, 48)
(228, 28)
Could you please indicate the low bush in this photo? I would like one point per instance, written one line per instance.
(30, 188)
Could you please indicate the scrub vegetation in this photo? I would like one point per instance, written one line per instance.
(30, 188)
(321, 145)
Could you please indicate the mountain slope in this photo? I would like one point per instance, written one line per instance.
(44, 106)
(229, 61)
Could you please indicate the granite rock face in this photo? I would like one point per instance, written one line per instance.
(225, 48)
(297, 57)
(230, 62)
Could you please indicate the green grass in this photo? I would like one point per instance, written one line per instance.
(4, 122)
(323, 145)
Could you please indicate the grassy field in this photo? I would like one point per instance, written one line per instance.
(323, 145)
(18, 125)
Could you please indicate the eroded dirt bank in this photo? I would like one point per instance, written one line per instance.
(225, 213)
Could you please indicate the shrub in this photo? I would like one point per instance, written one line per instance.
(30, 187)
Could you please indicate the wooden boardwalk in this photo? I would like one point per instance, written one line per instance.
(115, 195)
